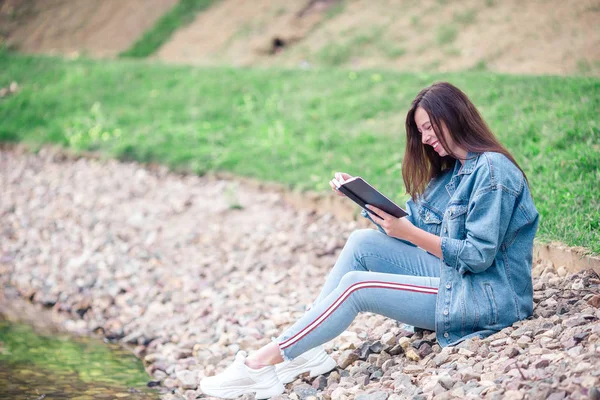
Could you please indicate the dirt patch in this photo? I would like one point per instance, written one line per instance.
(241, 33)
(537, 37)
(98, 28)
(534, 37)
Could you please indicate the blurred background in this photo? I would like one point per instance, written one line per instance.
(510, 36)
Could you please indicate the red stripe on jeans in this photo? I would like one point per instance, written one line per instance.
(359, 285)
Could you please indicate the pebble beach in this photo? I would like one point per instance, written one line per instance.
(187, 270)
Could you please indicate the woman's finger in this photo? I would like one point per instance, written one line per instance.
(376, 218)
(381, 213)
(334, 188)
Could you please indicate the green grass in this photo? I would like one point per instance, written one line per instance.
(299, 126)
(415, 21)
(446, 34)
(335, 9)
(182, 14)
(336, 53)
(466, 17)
(391, 50)
(451, 51)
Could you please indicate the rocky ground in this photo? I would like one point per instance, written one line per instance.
(188, 270)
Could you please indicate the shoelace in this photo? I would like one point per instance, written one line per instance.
(240, 357)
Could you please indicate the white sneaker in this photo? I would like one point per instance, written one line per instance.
(316, 361)
(239, 379)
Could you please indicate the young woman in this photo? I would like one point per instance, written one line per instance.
(459, 264)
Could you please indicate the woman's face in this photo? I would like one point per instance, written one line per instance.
(428, 136)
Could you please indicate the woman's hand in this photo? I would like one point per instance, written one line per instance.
(341, 177)
(400, 228)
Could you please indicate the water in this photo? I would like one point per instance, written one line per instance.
(39, 366)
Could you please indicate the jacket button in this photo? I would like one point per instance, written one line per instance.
(446, 312)
(446, 335)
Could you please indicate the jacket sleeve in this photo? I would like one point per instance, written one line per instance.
(365, 214)
(486, 224)
(413, 214)
(409, 209)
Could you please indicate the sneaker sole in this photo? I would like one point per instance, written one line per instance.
(260, 393)
(319, 365)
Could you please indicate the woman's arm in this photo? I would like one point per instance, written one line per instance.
(403, 229)
(425, 240)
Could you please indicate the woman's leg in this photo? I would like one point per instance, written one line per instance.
(371, 250)
(366, 250)
(410, 299)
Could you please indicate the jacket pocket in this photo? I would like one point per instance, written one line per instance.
(489, 293)
(431, 222)
(456, 214)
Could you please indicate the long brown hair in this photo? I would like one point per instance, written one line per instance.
(445, 104)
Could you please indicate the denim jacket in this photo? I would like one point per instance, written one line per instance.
(485, 215)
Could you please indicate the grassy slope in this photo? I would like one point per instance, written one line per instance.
(182, 14)
(297, 127)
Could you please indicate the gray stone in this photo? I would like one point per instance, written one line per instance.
(575, 321)
(498, 342)
(376, 347)
(511, 351)
(304, 390)
(557, 396)
(403, 384)
(377, 374)
(382, 358)
(446, 381)
(413, 369)
(379, 395)
(170, 383)
(425, 349)
(468, 374)
(188, 379)
(372, 359)
(475, 391)
(441, 358)
(465, 352)
(320, 382)
(387, 365)
(364, 350)
(524, 341)
(388, 338)
(362, 379)
(396, 350)
(334, 377)
(347, 358)
(358, 369)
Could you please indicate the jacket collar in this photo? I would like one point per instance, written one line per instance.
(469, 165)
(461, 169)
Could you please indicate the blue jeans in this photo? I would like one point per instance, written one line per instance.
(374, 273)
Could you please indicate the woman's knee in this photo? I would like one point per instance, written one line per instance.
(362, 239)
(349, 288)
(351, 279)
